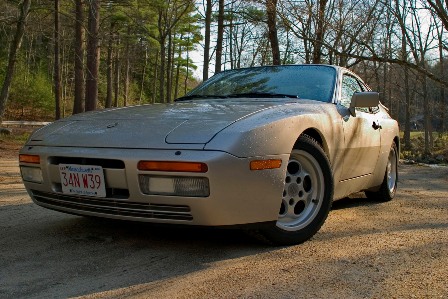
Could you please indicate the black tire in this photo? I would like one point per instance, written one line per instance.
(388, 187)
(307, 195)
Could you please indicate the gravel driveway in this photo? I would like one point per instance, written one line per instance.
(365, 249)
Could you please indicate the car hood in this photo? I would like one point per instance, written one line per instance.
(147, 126)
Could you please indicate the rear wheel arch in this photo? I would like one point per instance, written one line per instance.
(388, 187)
(397, 144)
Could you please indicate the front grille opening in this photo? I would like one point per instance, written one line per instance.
(115, 193)
(105, 163)
(113, 207)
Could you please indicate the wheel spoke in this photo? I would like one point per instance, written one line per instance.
(302, 192)
(392, 170)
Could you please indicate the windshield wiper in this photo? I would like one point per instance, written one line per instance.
(238, 95)
(262, 95)
(199, 96)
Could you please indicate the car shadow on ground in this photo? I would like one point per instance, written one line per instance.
(51, 254)
(165, 233)
(353, 201)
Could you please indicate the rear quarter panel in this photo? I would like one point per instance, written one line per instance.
(389, 134)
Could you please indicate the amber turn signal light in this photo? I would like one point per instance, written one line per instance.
(35, 159)
(265, 164)
(172, 166)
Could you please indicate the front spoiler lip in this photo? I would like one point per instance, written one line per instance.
(177, 225)
(238, 195)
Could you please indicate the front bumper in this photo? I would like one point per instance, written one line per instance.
(237, 194)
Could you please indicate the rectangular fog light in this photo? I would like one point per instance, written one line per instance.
(174, 186)
(31, 174)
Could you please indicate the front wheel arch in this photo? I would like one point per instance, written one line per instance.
(313, 134)
(296, 224)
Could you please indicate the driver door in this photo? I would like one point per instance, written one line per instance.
(362, 139)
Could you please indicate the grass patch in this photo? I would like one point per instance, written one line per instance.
(416, 134)
(16, 139)
(439, 152)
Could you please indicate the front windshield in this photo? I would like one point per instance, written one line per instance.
(298, 81)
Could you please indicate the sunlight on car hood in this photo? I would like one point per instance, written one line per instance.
(147, 126)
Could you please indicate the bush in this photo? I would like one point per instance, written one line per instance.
(439, 152)
(31, 96)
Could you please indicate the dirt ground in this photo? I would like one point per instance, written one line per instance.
(365, 249)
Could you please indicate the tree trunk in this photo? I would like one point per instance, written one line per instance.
(271, 9)
(14, 48)
(377, 78)
(385, 101)
(156, 78)
(307, 29)
(162, 43)
(179, 57)
(232, 64)
(57, 65)
(287, 49)
(396, 113)
(443, 104)
(117, 73)
(143, 77)
(208, 17)
(173, 52)
(93, 53)
(187, 68)
(317, 45)
(78, 104)
(64, 74)
(126, 70)
(109, 69)
(169, 74)
(220, 38)
(442, 88)
(426, 116)
(162, 71)
(407, 123)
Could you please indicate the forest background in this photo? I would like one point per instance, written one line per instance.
(60, 57)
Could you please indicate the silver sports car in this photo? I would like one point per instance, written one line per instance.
(267, 147)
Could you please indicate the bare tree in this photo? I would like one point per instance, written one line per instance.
(208, 20)
(117, 72)
(127, 68)
(407, 126)
(93, 52)
(420, 43)
(169, 15)
(78, 104)
(443, 100)
(320, 31)
(220, 37)
(57, 67)
(109, 66)
(271, 10)
(441, 10)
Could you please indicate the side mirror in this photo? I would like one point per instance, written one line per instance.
(364, 99)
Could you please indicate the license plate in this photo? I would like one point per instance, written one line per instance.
(84, 180)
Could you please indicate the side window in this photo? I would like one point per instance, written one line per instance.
(349, 86)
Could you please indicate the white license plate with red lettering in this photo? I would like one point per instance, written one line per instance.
(85, 180)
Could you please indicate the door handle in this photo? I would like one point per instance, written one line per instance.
(376, 125)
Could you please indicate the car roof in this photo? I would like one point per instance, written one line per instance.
(286, 65)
